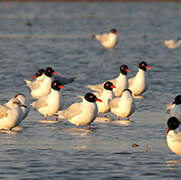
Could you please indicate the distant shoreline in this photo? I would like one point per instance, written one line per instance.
(90, 1)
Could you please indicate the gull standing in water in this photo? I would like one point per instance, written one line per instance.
(174, 109)
(43, 87)
(10, 114)
(24, 104)
(39, 76)
(83, 113)
(49, 104)
(173, 137)
(120, 82)
(123, 106)
(139, 83)
(106, 95)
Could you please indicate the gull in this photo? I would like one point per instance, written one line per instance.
(39, 78)
(24, 104)
(49, 104)
(120, 82)
(108, 40)
(106, 95)
(123, 106)
(83, 113)
(172, 44)
(43, 87)
(173, 137)
(174, 108)
(139, 83)
(10, 114)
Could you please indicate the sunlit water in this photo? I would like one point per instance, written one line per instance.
(60, 37)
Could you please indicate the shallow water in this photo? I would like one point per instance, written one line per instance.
(60, 37)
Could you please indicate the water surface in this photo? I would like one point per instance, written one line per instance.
(60, 37)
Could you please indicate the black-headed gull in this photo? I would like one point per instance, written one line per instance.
(83, 113)
(39, 76)
(139, 83)
(10, 114)
(49, 104)
(123, 106)
(108, 40)
(121, 82)
(106, 95)
(173, 136)
(43, 87)
(174, 108)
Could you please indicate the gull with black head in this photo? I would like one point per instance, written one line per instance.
(139, 83)
(108, 40)
(83, 113)
(43, 87)
(120, 82)
(106, 95)
(49, 104)
(173, 136)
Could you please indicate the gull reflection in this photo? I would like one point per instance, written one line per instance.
(8, 132)
(83, 147)
(108, 120)
(138, 97)
(79, 131)
(122, 122)
(175, 164)
(49, 121)
(103, 119)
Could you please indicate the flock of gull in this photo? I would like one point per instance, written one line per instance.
(115, 96)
